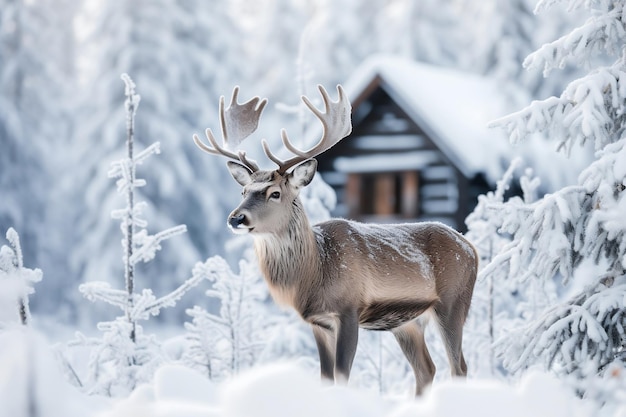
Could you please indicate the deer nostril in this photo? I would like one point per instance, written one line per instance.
(236, 221)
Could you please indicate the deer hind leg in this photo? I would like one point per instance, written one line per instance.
(450, 321)
(410, 336)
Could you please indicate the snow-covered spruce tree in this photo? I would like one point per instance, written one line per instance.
(578, 233)
(223, 344)
(125, 356)
(16, 282)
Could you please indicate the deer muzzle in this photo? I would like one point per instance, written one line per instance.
(237, 223)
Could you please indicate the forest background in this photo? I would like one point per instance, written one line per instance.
(62, 125)
(62, 120)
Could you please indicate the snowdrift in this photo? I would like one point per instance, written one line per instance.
(30, 380)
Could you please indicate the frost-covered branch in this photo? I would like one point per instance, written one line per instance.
(149, 245)
(102, 291)
(605, 32)
(588, 109)
(569, 335)
(119, 169)
(125, 215)
(16, 281)
(150, 305)
(544, 238)
(123, 169)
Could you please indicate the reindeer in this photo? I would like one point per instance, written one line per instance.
(340, 274)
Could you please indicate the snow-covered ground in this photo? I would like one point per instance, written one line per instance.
(32, 385)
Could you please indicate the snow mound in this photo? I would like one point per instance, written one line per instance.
(287, 390)
(538, 395)
(31, 383)
(30, 380)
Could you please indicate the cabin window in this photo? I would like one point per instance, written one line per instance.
(383, 195)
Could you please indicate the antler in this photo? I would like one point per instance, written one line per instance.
(336, 125)
(238, 122)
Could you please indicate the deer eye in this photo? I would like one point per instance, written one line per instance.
(275, 195)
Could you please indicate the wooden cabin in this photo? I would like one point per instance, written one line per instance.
(420, 148)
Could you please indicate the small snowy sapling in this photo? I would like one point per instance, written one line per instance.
(16, 281)
(230, 341)
(125, 356)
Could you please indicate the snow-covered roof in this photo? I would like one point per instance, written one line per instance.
(452, 107)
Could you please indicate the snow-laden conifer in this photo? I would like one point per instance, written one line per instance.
(575, 236)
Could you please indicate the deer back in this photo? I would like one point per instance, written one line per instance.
(418, 263)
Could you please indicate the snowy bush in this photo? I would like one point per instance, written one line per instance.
(498, 301)
(223, 344)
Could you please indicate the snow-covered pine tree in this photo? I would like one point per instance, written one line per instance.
(125, 356)
(16, 282)
(578, 233)
(223, 344)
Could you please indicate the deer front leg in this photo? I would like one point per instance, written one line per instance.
(326, 343)
(347, 338)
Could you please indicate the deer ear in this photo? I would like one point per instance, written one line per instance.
(240, 173)
(303, 174)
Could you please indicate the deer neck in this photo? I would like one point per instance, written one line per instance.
(289, 259)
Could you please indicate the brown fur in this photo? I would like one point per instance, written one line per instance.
(340, 274)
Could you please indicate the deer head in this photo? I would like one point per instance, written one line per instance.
(269, 195)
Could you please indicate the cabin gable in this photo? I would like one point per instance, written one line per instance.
(393, 167)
